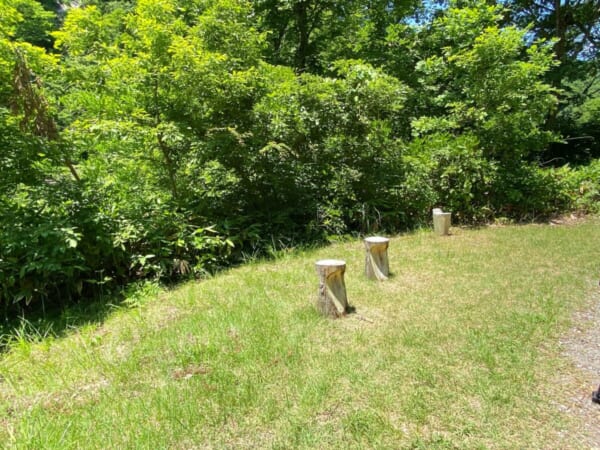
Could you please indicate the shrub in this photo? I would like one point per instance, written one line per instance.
(526, 191)
(582, 185)
(330, 147)
(40, 255)
(60, 240)
(448, 171)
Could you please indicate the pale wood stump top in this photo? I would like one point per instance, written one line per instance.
(377, 240)
(330, 263)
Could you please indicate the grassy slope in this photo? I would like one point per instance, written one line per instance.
(456, 350)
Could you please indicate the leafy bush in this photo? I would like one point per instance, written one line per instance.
(60, 241)
(526, 191)
(331, 146)
(39, 256)
(458, 175)
(582, 185)
(452, 172)
(416, 192)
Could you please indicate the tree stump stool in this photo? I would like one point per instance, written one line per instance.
(332, 300)
(376, 258)
(441, 222)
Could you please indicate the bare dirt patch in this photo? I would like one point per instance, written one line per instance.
(190, 371)
(569, 219)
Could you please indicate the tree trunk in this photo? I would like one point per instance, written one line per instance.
(163, 147)
(376, 258)
(169, 165)
(31, 101)
(560, 48)
(301, 12)
(332, 300)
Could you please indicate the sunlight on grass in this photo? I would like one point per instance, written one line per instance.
(455, 350)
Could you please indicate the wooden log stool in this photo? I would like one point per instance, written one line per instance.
(376, 258)
(441, 222)
(332, 300)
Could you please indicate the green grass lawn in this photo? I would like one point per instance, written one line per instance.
(458, 349)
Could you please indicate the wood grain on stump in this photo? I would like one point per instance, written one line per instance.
(332, 300)
(376, 258)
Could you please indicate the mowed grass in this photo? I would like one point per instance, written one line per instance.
(458, 349)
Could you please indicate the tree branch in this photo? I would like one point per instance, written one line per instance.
(34, 106)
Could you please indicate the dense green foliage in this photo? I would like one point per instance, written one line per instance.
(574, 27)
(169, 138)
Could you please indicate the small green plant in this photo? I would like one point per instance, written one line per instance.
(139, 292)
(26, 334)
(582, 184)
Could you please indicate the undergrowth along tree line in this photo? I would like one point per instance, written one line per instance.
(169, 138)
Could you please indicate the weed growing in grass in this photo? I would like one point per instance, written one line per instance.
(25, 334)
(137, 293)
